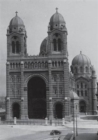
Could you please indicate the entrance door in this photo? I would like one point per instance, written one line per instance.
(36, 98)
(82, 105)
(16, 110)
(58, 111)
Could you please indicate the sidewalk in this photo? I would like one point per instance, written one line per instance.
(83, 123)
(87, 136)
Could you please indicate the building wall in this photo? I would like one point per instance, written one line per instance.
(20, 72)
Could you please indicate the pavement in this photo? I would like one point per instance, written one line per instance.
(87, 136)
(41, 132)
(84, 124)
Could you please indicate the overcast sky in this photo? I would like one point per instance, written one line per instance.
(81, 17)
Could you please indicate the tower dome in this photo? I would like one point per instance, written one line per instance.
(57, 21)
(16, 24)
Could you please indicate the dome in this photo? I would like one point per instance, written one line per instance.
(16, 24)
(43, 47)
(81, 59)
(57, 21)
(16, 21)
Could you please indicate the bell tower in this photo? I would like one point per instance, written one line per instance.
(16, 52)
(16, 38)
(57, 35)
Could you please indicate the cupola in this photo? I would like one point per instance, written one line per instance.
(16, 24)
(57, 22)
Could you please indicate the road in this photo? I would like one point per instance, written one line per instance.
(46, 135)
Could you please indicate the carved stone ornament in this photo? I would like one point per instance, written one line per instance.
(64, 60)
(50, 98)
(8, 98)
(49, 61)
(66, 98)
(22, 62)
(22, 98)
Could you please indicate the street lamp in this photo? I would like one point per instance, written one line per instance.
(76, 123)
(74, 137)
(97, 100)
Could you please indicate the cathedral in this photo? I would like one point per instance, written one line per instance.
(45, 86)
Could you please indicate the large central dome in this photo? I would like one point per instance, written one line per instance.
(57, 21)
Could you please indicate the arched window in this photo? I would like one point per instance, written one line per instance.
(54, 43)
(81, 69)
(78, 92)
(17, 47)
(86, 69)
(85, 92)
(75, 69)
(59, 44)
(13, 47)
(81, 92)
(81, 85)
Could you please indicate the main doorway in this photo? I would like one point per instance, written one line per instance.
(58, 111)
(37, 98)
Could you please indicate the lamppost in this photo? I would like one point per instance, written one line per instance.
(50, 115)
(74, 130)
(76, 123)
(97, 100)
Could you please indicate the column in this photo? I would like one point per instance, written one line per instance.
(58, 85)
(50, 91)
(65, 43)
(66, 87)
(8, 115)
(22, 90)
(94, 92)
(22, 45)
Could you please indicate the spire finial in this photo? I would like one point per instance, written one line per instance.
(16, 13)
(80, 52)
(56, 10)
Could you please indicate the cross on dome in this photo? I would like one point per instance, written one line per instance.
(80, 52)
(16, 13)
(56, 10)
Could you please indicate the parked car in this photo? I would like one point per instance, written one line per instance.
(66, 137)
(62, 138)
(55, 132)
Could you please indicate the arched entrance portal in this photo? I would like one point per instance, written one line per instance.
(58, 111)
(36, 98)
(16, 110)
(82, 106)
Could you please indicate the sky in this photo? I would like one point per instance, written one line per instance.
(81, 17)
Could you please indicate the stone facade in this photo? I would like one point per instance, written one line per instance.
(41, 86)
